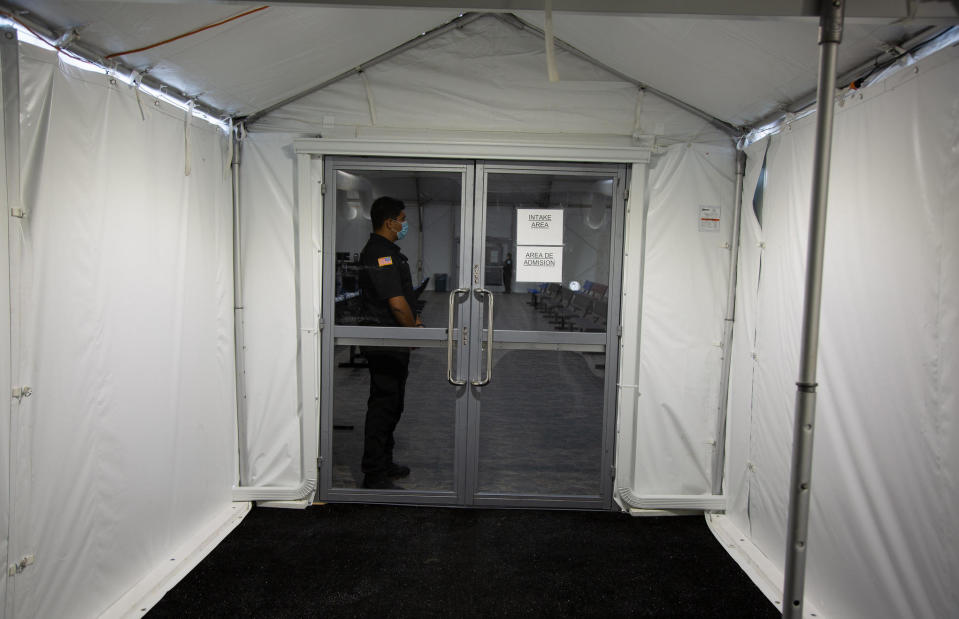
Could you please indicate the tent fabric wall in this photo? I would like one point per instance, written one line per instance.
(683, 305)
(739, 410)
(487, 76)
(885, 497)
(126, 448)
(272, 450)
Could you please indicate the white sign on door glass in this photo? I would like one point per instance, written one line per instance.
(539, 226)
(541, 263)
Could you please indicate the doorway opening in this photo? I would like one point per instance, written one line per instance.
(510, 395)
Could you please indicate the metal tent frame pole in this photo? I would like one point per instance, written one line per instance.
(10, 316)
(75, 48)
(238, 324)
(719, 453)
(830, 36)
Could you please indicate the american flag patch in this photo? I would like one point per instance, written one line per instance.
(385, 261)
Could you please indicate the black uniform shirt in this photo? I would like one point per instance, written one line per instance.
(385, 274)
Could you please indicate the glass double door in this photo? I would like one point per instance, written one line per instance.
(506, 396)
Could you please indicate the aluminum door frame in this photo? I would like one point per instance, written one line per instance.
(429, 337)
(468, 359)
(550, 340)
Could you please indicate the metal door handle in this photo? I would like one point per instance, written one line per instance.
(449, 339)
(489, 342)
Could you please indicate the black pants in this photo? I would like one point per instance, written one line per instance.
(508, 280)
(389, 368)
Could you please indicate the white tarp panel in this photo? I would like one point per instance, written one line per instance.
(885, 501)
(684, 297)
(486, 76)
(273, 430)
(739, 412)
(126, 448)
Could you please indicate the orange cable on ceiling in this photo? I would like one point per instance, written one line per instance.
(186, 34)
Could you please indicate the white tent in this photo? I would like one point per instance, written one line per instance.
(164, 308)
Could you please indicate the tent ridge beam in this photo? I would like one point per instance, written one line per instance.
(518, 22)
(730, 9)
(457, 22)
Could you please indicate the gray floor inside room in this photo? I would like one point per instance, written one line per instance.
(541, 416)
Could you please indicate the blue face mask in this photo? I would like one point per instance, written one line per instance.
(402, 233)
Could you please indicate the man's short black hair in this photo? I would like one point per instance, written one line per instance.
(385, 208)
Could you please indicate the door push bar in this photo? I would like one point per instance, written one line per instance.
(449, 339)
(489, 340)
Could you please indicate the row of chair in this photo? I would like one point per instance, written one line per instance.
(566, 310)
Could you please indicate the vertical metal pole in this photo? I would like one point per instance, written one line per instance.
(719, 453)
(10, 324)
(238, 327)
(830, 35)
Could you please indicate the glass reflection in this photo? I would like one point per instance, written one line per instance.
(541, 423)
(572, 296)
(423, 437)
(429, 247)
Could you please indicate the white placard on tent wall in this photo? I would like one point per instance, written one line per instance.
(539, 263)
(709, 217)
(539, 226)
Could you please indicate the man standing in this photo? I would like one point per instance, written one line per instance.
(390, 301)
(508, 272)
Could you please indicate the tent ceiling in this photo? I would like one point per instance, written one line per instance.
(737, 70)
(869, 9)
(248, 64)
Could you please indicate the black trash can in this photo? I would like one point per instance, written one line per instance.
(439, 282)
